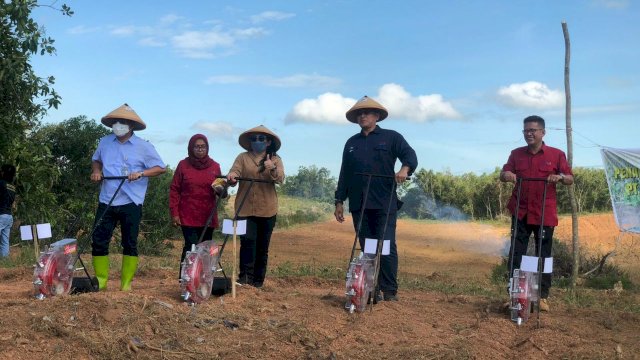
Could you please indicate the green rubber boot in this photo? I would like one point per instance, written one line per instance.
(129, 267)
(101, 268)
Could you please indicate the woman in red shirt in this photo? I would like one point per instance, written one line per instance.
(191, 195)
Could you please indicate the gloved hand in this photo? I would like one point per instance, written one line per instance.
(219, 185)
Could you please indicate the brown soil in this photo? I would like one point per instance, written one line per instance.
(303, 317)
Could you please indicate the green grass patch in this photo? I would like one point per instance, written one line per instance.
(288, 269)
(605, 300)
(24, 256)
(292, 211)
(295, 211)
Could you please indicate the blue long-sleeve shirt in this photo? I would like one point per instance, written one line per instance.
(375, 154)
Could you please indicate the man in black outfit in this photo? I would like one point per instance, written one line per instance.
(374, 151)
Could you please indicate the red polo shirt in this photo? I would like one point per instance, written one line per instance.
(524, 164)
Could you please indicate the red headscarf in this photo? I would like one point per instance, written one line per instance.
(199, 164)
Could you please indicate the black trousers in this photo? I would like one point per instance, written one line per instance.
(129, 216)
(254, 249)
(373, 221)
(521, 244)
(191, 236)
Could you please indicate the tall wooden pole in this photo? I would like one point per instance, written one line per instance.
(234, 276)
(572, 194)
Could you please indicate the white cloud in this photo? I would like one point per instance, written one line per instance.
(326, 108)
(249, 33)
(152, 42)
(81, 29)
(204, 41)
(402, 105)
(202, 44)
(296, 80)
(127, 30)
(331, 107)
(531, 94)
(218, 130)
(271, 16)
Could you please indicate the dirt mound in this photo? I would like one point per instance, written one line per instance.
(303, 317)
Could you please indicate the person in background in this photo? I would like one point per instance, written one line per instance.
(374, 151)
(192, 194)
(536, 160)
(260, 208)
(122, 153)
(7, 200)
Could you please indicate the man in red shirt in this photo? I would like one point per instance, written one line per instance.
(539, 161)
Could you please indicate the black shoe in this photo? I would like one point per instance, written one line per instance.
(257, 284)
(390, 297)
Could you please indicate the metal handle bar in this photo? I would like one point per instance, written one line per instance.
(381, 176)
(115, 177)
(246, 179)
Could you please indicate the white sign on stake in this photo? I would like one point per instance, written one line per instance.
(530, 263)
(25, 232)
(371, 245)
(44, 231)
(227, 227)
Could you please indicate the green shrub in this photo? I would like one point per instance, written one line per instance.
(294, 211)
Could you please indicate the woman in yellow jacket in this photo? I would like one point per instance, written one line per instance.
(260, 208)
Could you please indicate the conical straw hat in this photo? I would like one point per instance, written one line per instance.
(245, 141)
(366, 103)
(124, 112)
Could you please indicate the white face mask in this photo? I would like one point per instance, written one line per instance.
(120, 129)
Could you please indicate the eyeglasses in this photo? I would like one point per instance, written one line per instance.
(258, 138)
(530, 131)
(365, 112)
(200, 147)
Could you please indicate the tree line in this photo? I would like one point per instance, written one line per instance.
(436, 195)
(443, 195)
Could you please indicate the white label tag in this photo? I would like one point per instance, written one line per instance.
(227, 227)
(371, 245)
(44, 231)
(25, 232)
(530, 264)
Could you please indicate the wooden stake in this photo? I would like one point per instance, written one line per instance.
(36, 246)
(235, 262)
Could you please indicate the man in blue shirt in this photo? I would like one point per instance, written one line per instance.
(374, 151)
(121, 154)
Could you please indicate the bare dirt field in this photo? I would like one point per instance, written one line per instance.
(303, 317)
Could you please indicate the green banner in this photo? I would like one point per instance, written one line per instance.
(622, 168)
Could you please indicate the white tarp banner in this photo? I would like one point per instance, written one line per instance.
(622, 168)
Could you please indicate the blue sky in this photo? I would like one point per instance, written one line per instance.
(457, 77)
